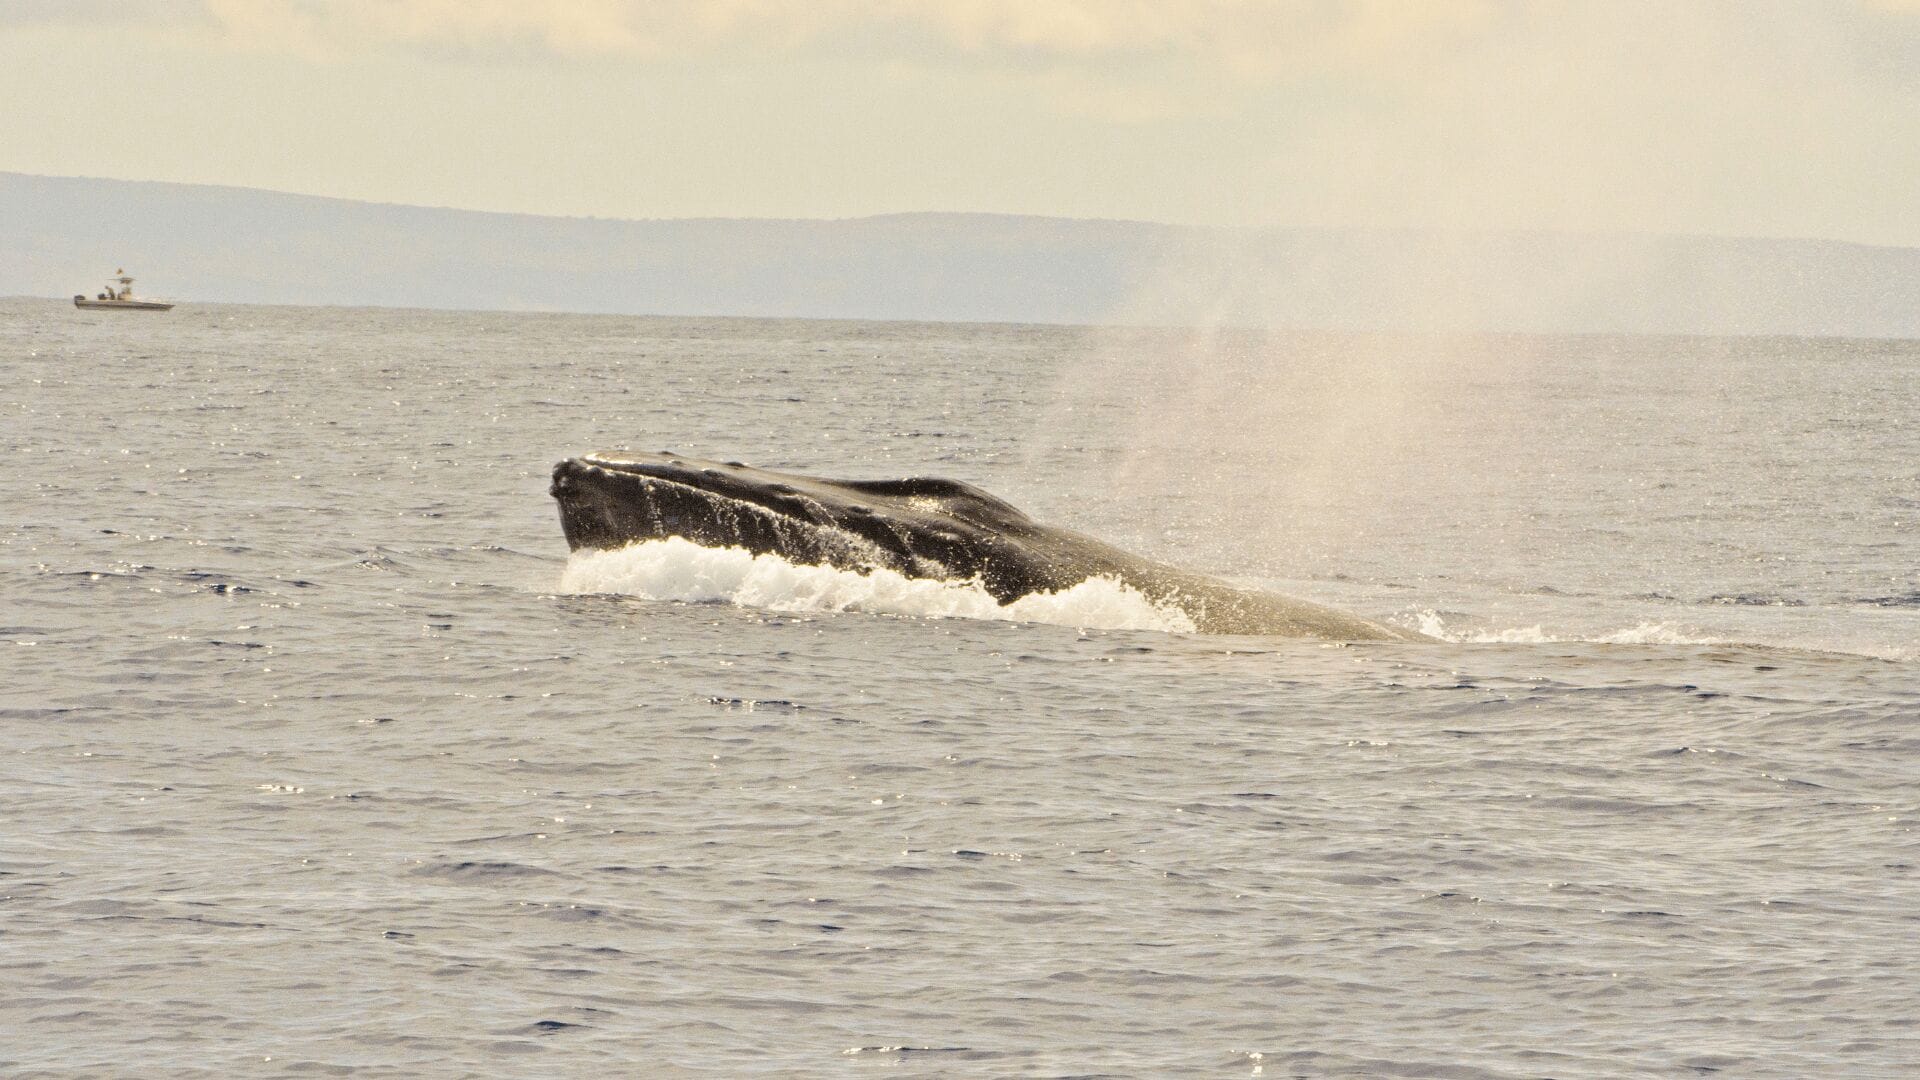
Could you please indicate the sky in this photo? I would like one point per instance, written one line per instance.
(1751, 118)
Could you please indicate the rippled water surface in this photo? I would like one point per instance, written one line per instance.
(317, 760)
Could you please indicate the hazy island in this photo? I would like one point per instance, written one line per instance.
(226, 244)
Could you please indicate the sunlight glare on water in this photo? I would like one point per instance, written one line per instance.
(323, 756)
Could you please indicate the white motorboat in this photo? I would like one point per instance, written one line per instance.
(121, 297)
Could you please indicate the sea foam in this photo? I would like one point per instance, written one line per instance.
(678, 569)
(1432, 624)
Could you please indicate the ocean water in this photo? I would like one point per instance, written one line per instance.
(319, 756)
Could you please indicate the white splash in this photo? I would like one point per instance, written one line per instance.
(678, 569)
(1432, 624)
(1655, 633)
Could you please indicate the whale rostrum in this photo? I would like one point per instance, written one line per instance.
(921, 528)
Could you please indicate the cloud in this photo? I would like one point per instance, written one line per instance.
(1113, 58)
(1254, 39)
(32, 12)
(1788, 117)
(321, 27)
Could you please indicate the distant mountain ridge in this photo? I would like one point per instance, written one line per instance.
(60, 235)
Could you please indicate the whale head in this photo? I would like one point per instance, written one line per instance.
(922, 527)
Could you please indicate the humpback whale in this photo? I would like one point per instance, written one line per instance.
(919, 527)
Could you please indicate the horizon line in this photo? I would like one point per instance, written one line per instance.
(1126, 327)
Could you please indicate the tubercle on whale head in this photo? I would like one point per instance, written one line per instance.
(612, 499)
(608, 503)
(933, 495)
(923, 527)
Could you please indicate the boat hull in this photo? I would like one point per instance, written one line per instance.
(123, 305)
